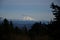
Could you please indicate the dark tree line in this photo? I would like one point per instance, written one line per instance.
(39, 31)
(7, 29)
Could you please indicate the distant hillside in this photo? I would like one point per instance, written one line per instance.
(21, 23)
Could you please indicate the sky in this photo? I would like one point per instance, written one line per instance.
(36, 10)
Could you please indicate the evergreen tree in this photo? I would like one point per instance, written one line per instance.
(6, 30)
(11, 27)
(56, 12)
(6, 25)
(54, 27)
(17, 30)
(25, 29)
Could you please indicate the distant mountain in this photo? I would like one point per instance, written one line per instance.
(21, 24)
(28, 24)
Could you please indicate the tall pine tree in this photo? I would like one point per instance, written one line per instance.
(55, 26)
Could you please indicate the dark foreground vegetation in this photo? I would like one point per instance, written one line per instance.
(39, 31)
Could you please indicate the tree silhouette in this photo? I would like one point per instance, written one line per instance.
(11, 27)
(54, 27)
(18, 30)
(6, 25)
(25, 29)
(5, 30)
(56, 12)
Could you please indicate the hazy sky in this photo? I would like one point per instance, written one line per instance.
(26, 9)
